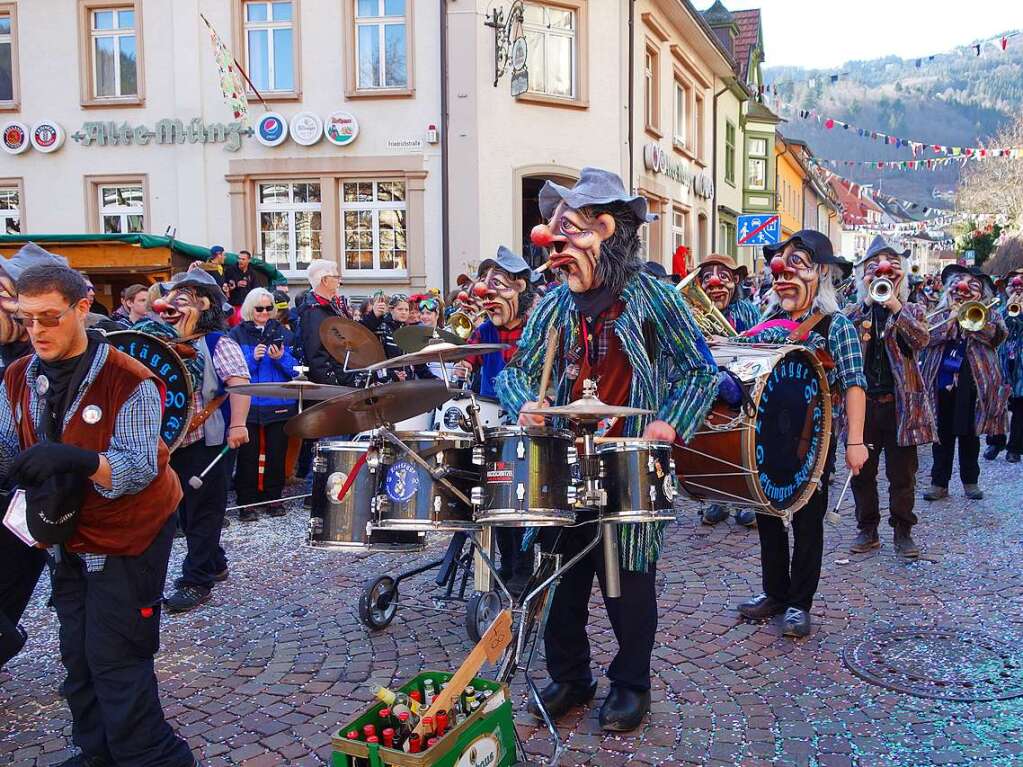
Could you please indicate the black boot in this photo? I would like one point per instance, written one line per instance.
(559, 697)
(991, 452)
(904, 544)
(761, 607)
(624, 709)
(865, 541)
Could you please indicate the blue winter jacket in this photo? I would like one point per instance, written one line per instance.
(267, 369)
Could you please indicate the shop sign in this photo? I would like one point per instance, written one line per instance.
(657, 160)
(271, 129)
(306, 128)
(519, 82)
(405, 144)
(47, 136)
(165, 131)
(14, 137)
(341, 128)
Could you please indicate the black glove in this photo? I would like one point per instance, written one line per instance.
(41, 461)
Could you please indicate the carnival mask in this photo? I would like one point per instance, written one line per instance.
(796, 279)
(10, 331)
(963, 288)
(574, 239)
(181, 309)
(718, 282)
(501, 300)
(887, 265)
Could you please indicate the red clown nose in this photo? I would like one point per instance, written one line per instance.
(480, 289)
(1017, 282)
(541, 236)
(884, 267)
(714, 281)
(777, 265)
(463, 296)
(963, 287)
(160, 305)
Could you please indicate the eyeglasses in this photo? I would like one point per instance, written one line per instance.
(262, 309)
(47, 322)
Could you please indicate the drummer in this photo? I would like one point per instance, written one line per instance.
(721, 279)
(804, 308)
(622, 327)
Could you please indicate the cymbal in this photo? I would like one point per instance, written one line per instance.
(413, 338)
(365, 409)
(589, 409)
(306, 390)
(340, 336)
(437, 352)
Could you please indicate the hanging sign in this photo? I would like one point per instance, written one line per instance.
(519, 82)
(341, 128)
(47, 136)
(14, 137)
(271, 129)
(306, 128)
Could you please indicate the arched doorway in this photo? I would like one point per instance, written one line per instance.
(529, 182)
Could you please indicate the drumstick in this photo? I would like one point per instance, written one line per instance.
(548, 363)
(196, 482)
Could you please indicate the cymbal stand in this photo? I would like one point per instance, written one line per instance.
(301, 370)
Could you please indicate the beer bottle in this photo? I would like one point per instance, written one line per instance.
(369, 731)
(428, 693)
(385, 718)
(398, 701)
(414, 744)
(442, 723)
(474, 707)
(470, 695)
(403, 728)
(388, 735)
(428, 730)
(416, 696)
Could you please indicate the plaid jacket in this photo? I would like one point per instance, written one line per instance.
(913, 404)
(680, 346)
(742, 314)
(982, 354)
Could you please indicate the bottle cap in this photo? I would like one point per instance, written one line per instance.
(416, 696)
(403, 717)
(431, 743)
(352, 735)
(369, 730)
(384, 713)
(428, 721)
(372, 739)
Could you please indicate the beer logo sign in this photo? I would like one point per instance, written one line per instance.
(485, 751)
(341, 128)
(272, 129)
(306, 128)
(14, 136)
(47, 136)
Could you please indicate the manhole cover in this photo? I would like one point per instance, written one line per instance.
(940, 664)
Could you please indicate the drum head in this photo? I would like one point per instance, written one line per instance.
(163, 362)
(793, 424)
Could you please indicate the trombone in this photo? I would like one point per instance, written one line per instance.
(971, 316)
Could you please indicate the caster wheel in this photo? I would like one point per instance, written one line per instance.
(480, 612)
(378, 603)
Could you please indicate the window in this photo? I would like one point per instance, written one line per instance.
(679, 228)
(730, 153)
(270, 45)
(113, 51)
(374, 236)
(680, 129)
(651, 86)
(121, 209)
(702, 238)
(727, 235)
(381, 44)
(756, 171)
(8, 56)
(701, 130)
(551, 44)
(10, 210)
(290, 223)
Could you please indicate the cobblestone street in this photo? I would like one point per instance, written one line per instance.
(264, 672)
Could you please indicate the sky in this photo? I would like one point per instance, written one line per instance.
(821, 34)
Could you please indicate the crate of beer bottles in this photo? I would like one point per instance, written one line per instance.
(482, 736)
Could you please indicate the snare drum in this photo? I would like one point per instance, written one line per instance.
(449, 416)
(638, 477)
(527, 480)
(345, 524)
(411, 499)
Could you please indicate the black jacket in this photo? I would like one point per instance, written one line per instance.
(323, 368)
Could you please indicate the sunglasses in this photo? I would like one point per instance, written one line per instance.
(47, 322)
(262, 309)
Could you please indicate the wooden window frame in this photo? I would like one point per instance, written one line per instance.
(17, 182)
(653, 127)
(352, 90)
(375, 272)
(242, 44)
(581, 100)
(699, 121)
(93, 225)
(730, 152)
(85, 56)
(291, 207)
(14, 103)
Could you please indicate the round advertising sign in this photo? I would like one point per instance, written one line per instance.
(14, 137)
(272, 129)
(47, 136)
(341, 128)
(306, 128)
(519, 54)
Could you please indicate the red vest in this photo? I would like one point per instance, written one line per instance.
(122, 526)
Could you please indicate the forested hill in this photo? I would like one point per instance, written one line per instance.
(956, 99)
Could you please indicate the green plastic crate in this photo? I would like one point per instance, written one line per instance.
(484, 739)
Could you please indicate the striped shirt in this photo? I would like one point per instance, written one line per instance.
(132, 450)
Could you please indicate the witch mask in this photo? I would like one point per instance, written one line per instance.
(10, 331)
(182, 308)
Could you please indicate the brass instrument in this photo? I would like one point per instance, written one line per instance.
(462, 323)
(971, 316)
(709, 319)
(881, 289)
(1014, 308)
(914, 269)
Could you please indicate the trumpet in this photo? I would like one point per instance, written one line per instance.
(914, 269)
(707, 316)
(971, 316)
(462, 323)
(881, 289)
(1014, 308)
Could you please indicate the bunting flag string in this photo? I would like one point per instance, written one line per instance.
(923, 164)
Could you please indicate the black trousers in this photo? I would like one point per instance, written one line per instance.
(880, 429)
(20, 566)
(270, 440)
(201, 514)
(1014, 440)
(109, 633)
(633, 617)
(514, 561)
(943, 451)
(793, 580)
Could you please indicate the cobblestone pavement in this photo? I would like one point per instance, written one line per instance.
(265, 671)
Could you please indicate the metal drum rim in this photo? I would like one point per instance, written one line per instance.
(418, 526)
(431, 435)
(527, 431)
(626, 444)
(516, 519)
(368, 548)
(637, 518)
(343, 445)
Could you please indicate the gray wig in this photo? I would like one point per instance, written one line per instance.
(826, 300)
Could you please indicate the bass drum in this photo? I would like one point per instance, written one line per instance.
(162, 361)
(770, 455)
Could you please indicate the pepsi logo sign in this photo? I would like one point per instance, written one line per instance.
(272, 129)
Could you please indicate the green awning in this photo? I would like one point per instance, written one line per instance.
(186, 249)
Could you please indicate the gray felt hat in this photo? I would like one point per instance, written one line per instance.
(594, 187)
(195, 278)
(878, 246)
(29, 255)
